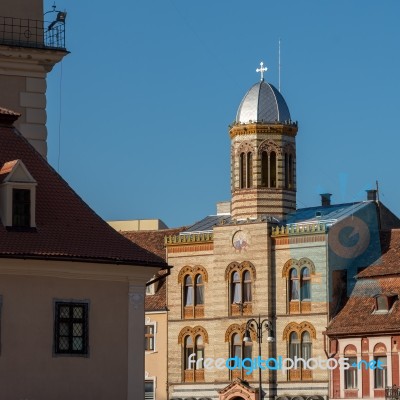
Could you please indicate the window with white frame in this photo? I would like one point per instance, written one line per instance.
(149, 389)
(350, 375)
(150, 336)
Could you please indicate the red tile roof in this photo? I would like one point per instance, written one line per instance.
(67, 229)
(154, 242)
(358, 316)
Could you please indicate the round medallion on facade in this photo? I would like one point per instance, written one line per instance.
(240, 241)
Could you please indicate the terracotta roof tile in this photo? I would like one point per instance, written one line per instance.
(152, 240)
(66, 227)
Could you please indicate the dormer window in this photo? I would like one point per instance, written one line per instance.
(384, 303)
(17, 196)
(21, 208)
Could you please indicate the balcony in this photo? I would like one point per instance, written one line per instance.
(392, 393)
(33, 33)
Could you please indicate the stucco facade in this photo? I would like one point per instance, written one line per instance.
(28, 363)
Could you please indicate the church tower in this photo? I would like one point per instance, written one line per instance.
(29, 49)
(263, 155)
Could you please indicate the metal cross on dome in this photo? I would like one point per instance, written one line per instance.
(262, 70)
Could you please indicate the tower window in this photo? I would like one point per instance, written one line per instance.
(21, 208)
(291, 175)
(264, 169)
(286, 171)
(273, 182)
(268, 169)
(246, 170)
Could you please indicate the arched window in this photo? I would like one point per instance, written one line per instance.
(351, 374)
(306, 345)
(380, 373)
(264, 169)
(242, 350)
(294, 346)
(246, 170)
(273, 181)
(294, 285)
(241, 292)
(249, 170)
(305, 284)
(298, 274)
(247, 287)
(236, 346)
(243, 172)
(192, 280)
(236, 288)
(193, 353)
(286, 171)
(199, 298)
(189, 349)
(188, 301)
(199, 352)
(300, 346)
(291, 173)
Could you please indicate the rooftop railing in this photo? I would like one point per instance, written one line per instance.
(32, 33)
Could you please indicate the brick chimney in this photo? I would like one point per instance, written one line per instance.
(325, 199)
(371, 194)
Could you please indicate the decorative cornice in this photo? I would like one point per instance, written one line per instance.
(174, 240)
(247, 129)
(299, 229)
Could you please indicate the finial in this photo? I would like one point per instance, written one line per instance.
(262, 70)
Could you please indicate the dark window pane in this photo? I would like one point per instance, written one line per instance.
(272, 169)
(264, 169)
(21, 208)
(71, 328)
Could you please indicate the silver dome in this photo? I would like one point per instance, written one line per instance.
(262, 103)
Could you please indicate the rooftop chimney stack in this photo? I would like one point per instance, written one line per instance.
(325, 199)
(371, 194)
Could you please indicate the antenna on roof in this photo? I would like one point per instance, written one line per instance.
(279, 65)
(377, 191)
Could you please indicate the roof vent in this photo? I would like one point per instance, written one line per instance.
(325, 199)
(371, 194)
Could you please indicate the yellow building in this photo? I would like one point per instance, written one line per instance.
(261, 258)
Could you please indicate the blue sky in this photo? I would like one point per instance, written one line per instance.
(150, 88)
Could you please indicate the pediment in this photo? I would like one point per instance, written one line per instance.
(15, 172)
(238, 389)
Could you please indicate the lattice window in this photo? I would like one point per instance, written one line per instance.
(71, 328)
